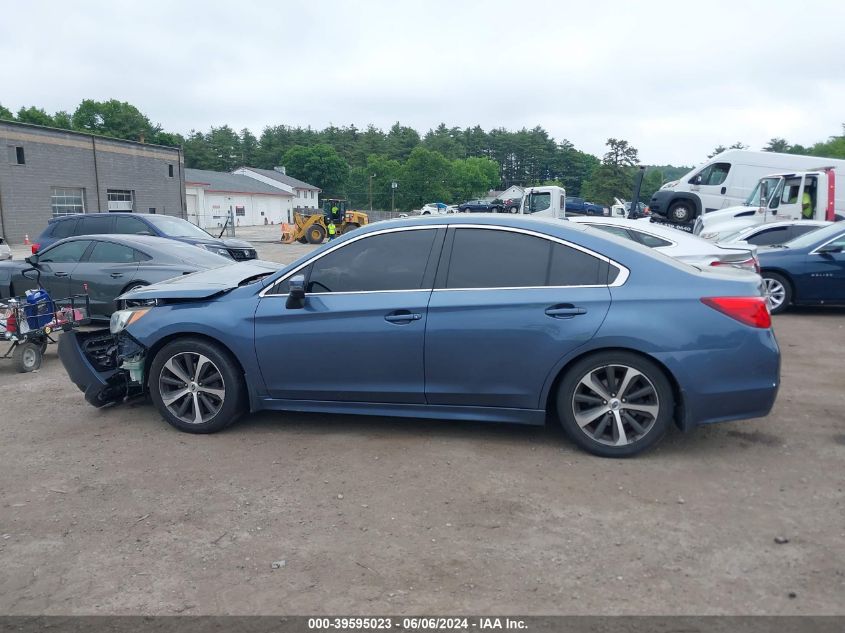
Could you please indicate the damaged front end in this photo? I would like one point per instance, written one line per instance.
(108, 368)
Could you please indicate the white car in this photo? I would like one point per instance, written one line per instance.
(5, 251)
(772, 233)
(435, 208)
(676, 243)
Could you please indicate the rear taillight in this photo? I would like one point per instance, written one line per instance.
(35, 248)
(749, 264)
(12, 323)
(753, 311)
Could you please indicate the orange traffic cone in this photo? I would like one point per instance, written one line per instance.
(26, 241)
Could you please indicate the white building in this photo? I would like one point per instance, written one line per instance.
(305, 197)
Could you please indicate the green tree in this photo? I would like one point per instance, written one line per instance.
(652, 181)
(777, 145)
(620, 153)
(320, 166)
(470, 178)
(721, 148)
(36, 116)
(113, 118)
(249, 148)
(401, 141)
(198, 154)
(6, 114)
(833, 147)
(63, 120)
(446, 141)
(225, 147)
(614, 178)
(423, 178)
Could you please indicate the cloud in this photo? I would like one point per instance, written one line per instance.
(675, 80)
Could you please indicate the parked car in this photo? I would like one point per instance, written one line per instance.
(434, 208)
(5, 251)
(622, 209)
(497, 318)
(480, 206)
(107, 265)
(142, 224)
(773, 233)
(579, 206)
(511, 205)
(678, 244)
(808, 270)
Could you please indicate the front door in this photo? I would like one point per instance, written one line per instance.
(508, 309)
(360, 336)
(711, 184)
(785, 201)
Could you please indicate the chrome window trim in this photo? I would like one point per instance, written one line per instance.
(621, 278)
(815, 251)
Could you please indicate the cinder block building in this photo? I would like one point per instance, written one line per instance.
(47, 172)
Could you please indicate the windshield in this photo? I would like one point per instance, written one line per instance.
(810, 238)
(754, 198)
(177, 227)
(538, 202)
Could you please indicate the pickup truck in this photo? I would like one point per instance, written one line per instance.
(579, 206)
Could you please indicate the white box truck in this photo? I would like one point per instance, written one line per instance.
(726, 180)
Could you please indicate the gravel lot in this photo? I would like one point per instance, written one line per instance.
(112, 511)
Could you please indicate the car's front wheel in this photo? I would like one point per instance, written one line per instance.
(778, 292)
(615, 404)
(196, 386)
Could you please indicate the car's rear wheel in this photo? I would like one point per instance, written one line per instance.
(615, 404)
(778, 292)
(196, 386)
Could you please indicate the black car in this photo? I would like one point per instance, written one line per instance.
(481, 206)
(141, 224)
(105, 266)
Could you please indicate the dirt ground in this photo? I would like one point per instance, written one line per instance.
(112, 511)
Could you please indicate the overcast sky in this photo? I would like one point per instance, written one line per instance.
(673, 78)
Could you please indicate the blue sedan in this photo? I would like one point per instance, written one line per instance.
(809, 270)
(493, 318)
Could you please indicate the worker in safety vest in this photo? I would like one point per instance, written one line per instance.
(807, 206)
(332, 231)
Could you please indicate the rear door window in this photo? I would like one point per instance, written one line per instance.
(95, 224)
(131, 226)
(69, 252)
(774, 235)
(488, 258)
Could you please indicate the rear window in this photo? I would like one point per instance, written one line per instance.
(94, 224)
(64, 228)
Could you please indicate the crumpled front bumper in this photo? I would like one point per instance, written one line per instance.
(94, 361)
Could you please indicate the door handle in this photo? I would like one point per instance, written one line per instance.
(60, 274)
(116, 275)
(724, 189)
(402, 316)
(564, 311)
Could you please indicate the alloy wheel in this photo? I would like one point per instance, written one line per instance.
(192, 387)
(775, 293)
(615, 405)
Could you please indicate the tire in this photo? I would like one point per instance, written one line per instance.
(350, 227)
(778, 292)
(680, 212)
(513, 210)
(592, 414)
(315, 234)
(204, 407)
(27, 357)
(302, 240)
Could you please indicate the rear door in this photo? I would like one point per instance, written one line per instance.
(508, 305)
(95, 224)
(108, 268)
(57, 264)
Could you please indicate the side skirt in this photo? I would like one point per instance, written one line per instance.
(533, 417)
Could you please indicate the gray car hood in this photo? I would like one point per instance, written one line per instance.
(206, 283)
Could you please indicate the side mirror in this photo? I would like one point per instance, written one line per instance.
(296, 295)
(32, 260)
(696, 180)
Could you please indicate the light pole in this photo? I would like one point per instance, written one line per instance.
(393, 186)
(371, 192)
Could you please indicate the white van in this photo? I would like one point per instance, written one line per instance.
(726, 180)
